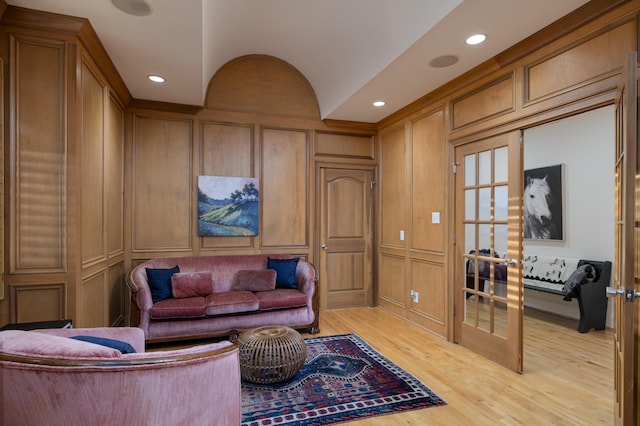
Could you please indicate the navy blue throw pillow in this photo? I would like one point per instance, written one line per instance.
(123, 347)
(285, 271)
(160, 282)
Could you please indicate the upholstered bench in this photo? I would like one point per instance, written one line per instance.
(549, 274)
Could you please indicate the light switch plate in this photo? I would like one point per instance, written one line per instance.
(435, 217)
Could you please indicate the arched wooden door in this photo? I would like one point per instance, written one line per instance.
(346, 234)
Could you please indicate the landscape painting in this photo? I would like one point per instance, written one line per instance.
(227, 206)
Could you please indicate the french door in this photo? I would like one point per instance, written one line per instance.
(488, 248)
(627, 217)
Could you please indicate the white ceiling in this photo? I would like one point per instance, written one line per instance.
(352, 51)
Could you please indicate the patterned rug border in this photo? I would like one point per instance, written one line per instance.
(420, 396)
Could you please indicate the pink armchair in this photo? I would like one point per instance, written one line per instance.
(48, 378)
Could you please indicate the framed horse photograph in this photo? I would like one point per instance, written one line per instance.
(543, 203)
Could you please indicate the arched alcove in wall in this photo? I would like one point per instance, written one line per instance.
(262, 84)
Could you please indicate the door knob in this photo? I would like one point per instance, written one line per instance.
(628, 294)
(324, 247)
(614, 291)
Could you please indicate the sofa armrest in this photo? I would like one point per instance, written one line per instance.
(172, 355)
(306, 277)
(199, 385)
(307, 280)
(132, 335)
(139, 287)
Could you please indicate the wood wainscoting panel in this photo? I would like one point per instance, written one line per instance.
(226, 150)
(593, 58)
(93, 303)
(114, 153)
(163, 188)
(428, 176)
(37, 302)
(491, 100)
(427, 279)
(392, 188)
(392, 283)
(37, 156)
(116, 294)
(92, 182)
(284, 184)
(352, 146)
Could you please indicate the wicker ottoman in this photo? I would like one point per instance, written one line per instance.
(271, 354)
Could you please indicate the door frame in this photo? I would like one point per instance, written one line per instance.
(589, 102)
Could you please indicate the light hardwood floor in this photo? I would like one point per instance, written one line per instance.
(567, 379)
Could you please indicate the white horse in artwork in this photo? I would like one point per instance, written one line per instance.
(538, 219)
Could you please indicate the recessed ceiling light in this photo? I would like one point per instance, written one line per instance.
(133, 7)
(379, 104)
(476, 39)
(156, 79)
(443, 61)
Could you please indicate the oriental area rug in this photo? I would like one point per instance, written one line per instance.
(343, 379)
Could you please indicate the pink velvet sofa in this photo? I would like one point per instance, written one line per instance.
(48, 378)
(222, 295)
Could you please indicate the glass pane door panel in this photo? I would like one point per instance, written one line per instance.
(484, 204)
(484, 168)
(470, 170)
(500, 240)
(500, 318)
(470, 204)
(470, 310)
(469, 238)
(486, 207)
(501, 200)
(501, 169)
(484, 314)
(484, 237)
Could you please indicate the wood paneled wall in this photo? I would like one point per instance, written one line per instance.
(97, 182)
(553, 74)
(64, 143)
(169, 150)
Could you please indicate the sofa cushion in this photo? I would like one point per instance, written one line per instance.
(123, 347)
(160, 282)
(281, 298)
(231, 302)
(31, 343)
(285, 271)
(188, 307)
(189, 284)
(255, 280)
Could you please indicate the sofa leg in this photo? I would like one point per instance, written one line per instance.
(233, 335)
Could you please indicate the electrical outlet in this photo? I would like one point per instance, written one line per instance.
(414, 296)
